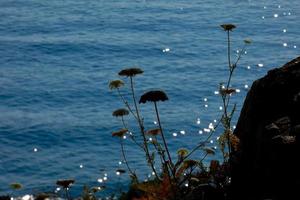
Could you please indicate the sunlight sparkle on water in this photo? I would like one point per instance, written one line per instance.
(284, 30)
(166, 50)
(198, 121)
(200, 132)
(295, 46)
(27, 197)
(155, 122)
(260, 65)
(284, 44)
(100, 180)
(275, 15)
(120, 162)
(175, 134)
(248, 67)
(216, 92)
(182, 132)
(246, 86)
(81, 166)
(205, 105)
(207, 130)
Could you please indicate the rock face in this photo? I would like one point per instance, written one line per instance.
(267, 164)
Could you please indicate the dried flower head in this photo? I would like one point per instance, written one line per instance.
(65, 183)
(153, 96)
(209, 150)
(182, 152)
(120, 112)
(154, 131)
(228, 27)
(227, 91)
(15, 186)
(130, 72)
(119, 133)
(247, 41)
(234, 141)
(115, 84)
(121, 171)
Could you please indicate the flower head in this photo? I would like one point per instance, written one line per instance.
(66, 183)
(130, 72)
(247, 41)
(228, 27)
(153, 96)
(15, 186)
(115, 84)
(209, 150)
(119, 133)
(120, 112)
(155, 131)
(228, 91)
(182, 152)
(120, 171)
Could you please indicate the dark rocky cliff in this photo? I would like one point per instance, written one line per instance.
(267, 164)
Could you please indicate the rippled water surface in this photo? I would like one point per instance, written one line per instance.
(57, 57)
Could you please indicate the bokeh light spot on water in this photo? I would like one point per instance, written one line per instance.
(275, 15)
(284, 44)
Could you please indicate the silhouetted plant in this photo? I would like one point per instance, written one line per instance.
(66, 184)
(121, 113)
(180, 179)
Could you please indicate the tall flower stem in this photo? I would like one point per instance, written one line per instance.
(162, 134)
(131, 136)
(125, 159)
(225, 104)
(126, 103)
(142, 129)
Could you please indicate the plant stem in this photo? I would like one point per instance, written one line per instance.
(142, 129)
(162, 133)
(131, 136)
(200, 145)
(231, 69)
(126, 103)
(67, 194)
(125, 159)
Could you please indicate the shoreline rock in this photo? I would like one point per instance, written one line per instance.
(267, 164)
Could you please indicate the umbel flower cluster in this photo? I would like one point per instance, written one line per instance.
(183, 177)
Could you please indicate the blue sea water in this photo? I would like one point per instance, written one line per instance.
(57, 58)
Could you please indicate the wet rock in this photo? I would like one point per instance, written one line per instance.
(267, 163)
